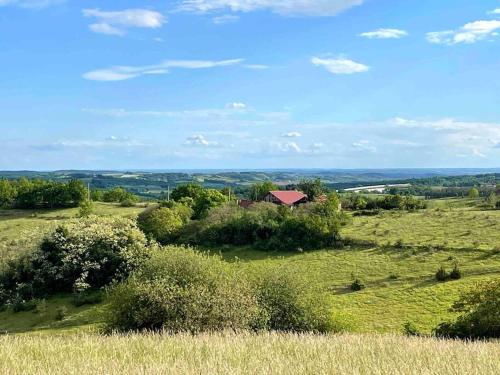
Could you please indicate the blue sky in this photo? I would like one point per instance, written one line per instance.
(249, 84)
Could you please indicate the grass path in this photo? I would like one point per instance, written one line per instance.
(244, 353)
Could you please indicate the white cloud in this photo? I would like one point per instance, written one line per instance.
(226, 18)
(315, 8)
(104, 28)
(474, 138)
(292, 135)
(289, 147)
(340, 65)
(199, 140)
(469, 33)
(31, 4)
(495, 11)
(115, 23)
(236, 105)
(121, 73)
(385, 34)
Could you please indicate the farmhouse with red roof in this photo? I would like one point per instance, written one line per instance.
(286, 198)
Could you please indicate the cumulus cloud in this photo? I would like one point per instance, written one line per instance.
(292, 135)
(116, 22)
(469, 33)
(314, 8)
(385, 34)
(495, 11)
(340, 65)
(199, 140)
(121, 73)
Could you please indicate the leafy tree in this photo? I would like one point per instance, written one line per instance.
(192, 191)
(259, 191)
(80, 255)
(480, 317)
(8, 193)
(207, 199)
(312, 188)
(473, 193)
(163, 224)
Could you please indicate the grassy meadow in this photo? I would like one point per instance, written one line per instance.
(397, 257)
(244, 353)
(397, 270)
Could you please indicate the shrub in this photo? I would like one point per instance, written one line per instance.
(86, 208)
(19, 305)
(455, 274)
(480, 317)
(267, 226)
(61, 313)
(163, 224)
(357, 285)
(79, 255)
(290, 303)
(441, 274)
(410, 329)
(128, 202)
(178, 290)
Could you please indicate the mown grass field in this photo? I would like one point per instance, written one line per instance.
(244, 353)
(399, 279)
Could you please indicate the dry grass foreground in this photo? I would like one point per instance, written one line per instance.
(244, 353)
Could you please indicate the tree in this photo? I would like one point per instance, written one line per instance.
(208, 199)
(473, 193)
(259, 191)
(192, 191)
(163, 224)
(312, 188)
(480, 317)
(8, 193)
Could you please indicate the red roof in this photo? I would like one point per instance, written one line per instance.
(288, 197)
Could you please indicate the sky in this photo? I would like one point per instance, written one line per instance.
(237, 84)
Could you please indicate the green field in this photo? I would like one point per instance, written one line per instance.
(398, 269)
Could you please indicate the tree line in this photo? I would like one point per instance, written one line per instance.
(25, 193)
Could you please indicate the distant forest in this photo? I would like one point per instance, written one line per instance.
(153, 185)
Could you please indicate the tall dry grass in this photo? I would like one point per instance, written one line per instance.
(244, 353)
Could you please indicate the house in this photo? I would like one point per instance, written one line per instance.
(289, 198)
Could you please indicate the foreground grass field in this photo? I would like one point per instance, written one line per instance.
(397, 270)
(244, 353)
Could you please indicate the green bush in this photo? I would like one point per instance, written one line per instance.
(455, 273)
(441, 274)
(290, 303)
(267, 226)
(410, 329)
(480, 309)
(83, 254)
(357, 285)
(163, 224)
(61, 313)
(179, 290)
